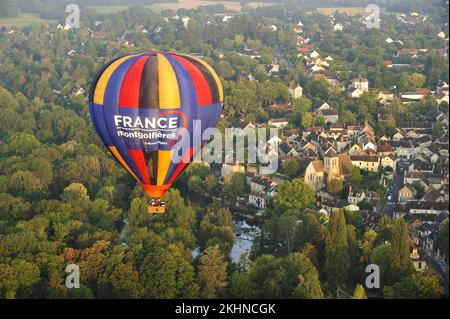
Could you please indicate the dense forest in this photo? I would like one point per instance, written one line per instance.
(63, 197)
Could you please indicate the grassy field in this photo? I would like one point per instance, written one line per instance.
(190, 4)
(347, 10)
(181, 4)
(118, 8)
(23, 19)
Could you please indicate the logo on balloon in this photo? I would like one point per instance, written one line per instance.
(150, 127)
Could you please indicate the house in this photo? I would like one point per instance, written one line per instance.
(278, 122)
(324, 106)
(360, 83)
(369, 163)
(418, 262)
(406, 193)
(385, 149)
(295, 90)
(258, 200)
(388, 161)
(338, 27)
(336, 166)
(420, 208)
(228, 169)
(77, 91)
(416, 96)
(412, 53)
(260, 184)
(332, 205)
(314, 175)
(355, 92)
(441, 35)
(355, 149)
(356, 196)
(330, 115)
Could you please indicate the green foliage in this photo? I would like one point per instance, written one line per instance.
(337, 254)
(382, 256)
(441, 242)
(401, 261)
(294, 195)
(335, 186)
(426, 285)
(217, 227)
(212, 272)
(293, 276)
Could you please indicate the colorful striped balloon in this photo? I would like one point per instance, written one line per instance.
(140, 102)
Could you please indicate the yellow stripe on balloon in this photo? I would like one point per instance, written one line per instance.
(117, 155)
(210, 69)
(169, 95)
(100, 88)
(164, 160)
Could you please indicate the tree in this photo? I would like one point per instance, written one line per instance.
(292, 167)
(26, 273)
(240, 285)
(300, 267)
(195, 184)
(355, 177)
(164, 273)
(336, 249)
(212, 272)
(438, 131)
(75, 192)
(8, 281)
(211, 183)
(368, 244)
(22, 143)
(442, 239)
(401, 261)
(426, 285)
(382, 256)
(216, 227)
(335, 186)
(234, 186)
(307, 120)
(359, 292)
(294, 195)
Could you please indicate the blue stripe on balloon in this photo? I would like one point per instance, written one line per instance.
(188, 102)
(111, 108)
(96, 111)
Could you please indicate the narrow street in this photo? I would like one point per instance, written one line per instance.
(391, 197)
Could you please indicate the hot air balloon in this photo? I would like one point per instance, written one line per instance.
(139, 104)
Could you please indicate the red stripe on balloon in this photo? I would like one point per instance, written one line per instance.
(139, 161)
(201, 85)
(131, 83)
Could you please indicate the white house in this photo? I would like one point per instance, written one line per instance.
(228, 169)
(361, 83)
(279, 122)
(338, 27)
(295, 90)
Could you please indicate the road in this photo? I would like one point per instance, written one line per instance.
(392, 192)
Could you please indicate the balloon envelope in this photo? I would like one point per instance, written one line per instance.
(140, 104)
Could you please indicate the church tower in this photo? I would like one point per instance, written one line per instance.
(331, 165)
